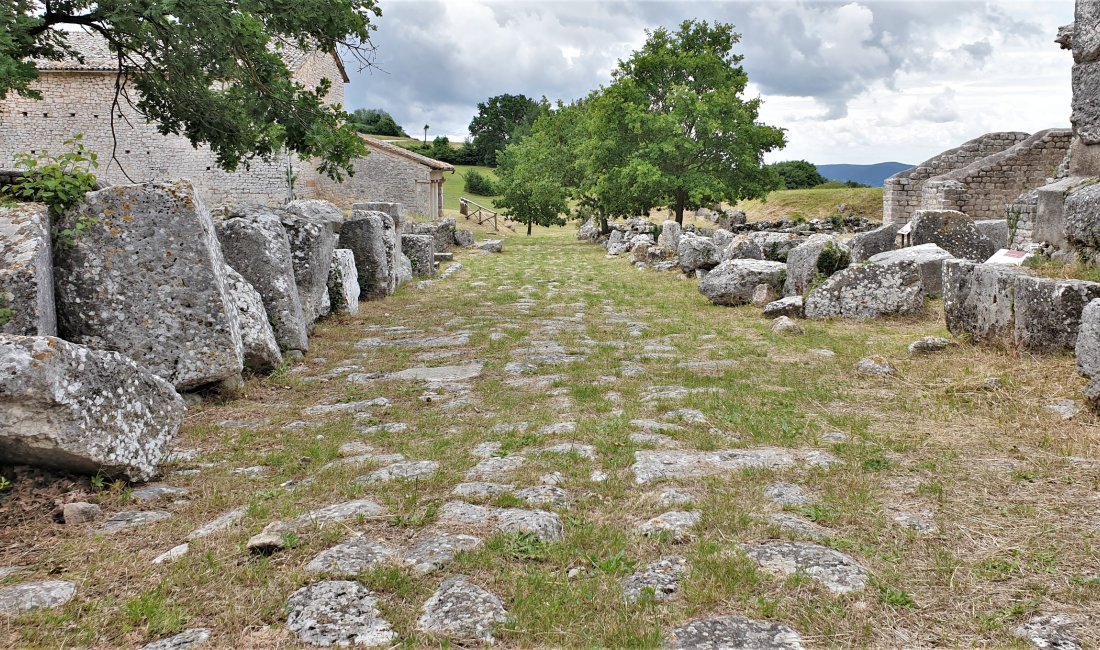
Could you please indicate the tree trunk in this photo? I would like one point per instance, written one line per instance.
(681, 201)
(529, 228)
(603, 225)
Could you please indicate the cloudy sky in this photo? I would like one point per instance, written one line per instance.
(852, 82)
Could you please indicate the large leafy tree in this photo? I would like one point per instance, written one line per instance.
(798, 174)
(536, 173)
(674, 130)
(375, 121)
(500, 120)
(209, 70)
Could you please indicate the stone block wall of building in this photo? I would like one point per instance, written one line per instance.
(985, 188)
(902, 192)
(390, 177)
(80, 101)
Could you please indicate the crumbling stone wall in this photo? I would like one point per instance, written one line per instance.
(985, 188)
(902, 192)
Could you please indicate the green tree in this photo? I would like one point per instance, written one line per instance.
(673, 129)
(798, 174)
(499, 122)
(375, 121)
(536, 176)
(208, 70)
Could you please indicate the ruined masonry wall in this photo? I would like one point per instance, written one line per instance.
(984, 189)
(80, 102)
(902, 192)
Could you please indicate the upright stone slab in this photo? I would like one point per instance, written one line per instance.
(733, 282)
(146, 278)
(67, 407)
(365, 235)
(256, 245)
(420, 249)
(696, 253)
(863, 292)
(929, 257)
(995, 230)
(311, 227)
(1086, 72)
(259, 348)
(741, 247)
(820, 254)
(952, 231)
(1088, 351)
(670, 236)
(343, 283)
(26, 271)
(978, 299)
(443, 232)
(868, 244)
(1048, 312)
(1081, 213)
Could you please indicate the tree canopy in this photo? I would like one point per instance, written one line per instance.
(534, 173)
(209, 70)
(499, 121)
(375, 121)
(798, 174)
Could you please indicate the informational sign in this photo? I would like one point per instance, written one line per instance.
(1009, 257)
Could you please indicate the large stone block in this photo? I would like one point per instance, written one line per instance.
(1050, 213)
(1086, 102)
(1086, 31)
(395, 210)
(928, 257)
(1081, 215)
(696, 253)
(365, 235)
(68, 407)
(464, 238)
(146, 278)
(820, 254)
(978, 299)
(343, 282)
(1088, 350)
(776, 245)
(868, 244)
(26, 271)
(734, 281)
(670, 235)
(863, 292)
(311, 228)
(420, 249)
(1048, 312)
(259, 348)
(995, 230)
(741, 247)
(952, 231)
(256, 245)
(442, 231)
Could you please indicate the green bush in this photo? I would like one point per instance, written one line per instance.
(59, 181)
(480, 184)
(832, 259)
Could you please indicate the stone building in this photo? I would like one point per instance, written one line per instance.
(78, 98)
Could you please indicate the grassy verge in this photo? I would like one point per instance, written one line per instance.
(815, 204)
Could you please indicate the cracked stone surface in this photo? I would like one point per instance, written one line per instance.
(352, 557)
(406, 470)
(340, 512)
(440, 373)
(676, 524)
(337, 612)
(35, 595)
(836, 571)
(153, 491)
(495, 466)
(347, 407)
(787, 494)
(582, 450)
(433, 550)
(661, 579)
(462, 610)
(655, 465)
(182, 641)
(481, 490)
(731, 633)
(544, 495)
(799, 526)
(132, 519)
(1053, 631)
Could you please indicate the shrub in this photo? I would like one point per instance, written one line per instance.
(832, 259)
(57, 181)
(480, 184)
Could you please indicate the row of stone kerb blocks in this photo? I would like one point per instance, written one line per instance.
(141, 292)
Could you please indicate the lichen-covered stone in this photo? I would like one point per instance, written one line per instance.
(185, 640)
(696, 253)
(1086, 101)
(838, 572)
(337, 612)
(733, 632)
(26, 271)
(1048, 312)
(978, 299)
(676, 525)
(741, 247)
(443, 232)
(784, 325)
(464, 238)
(1088, 351)
(952, 231)
(670, 235)
(1081, 212)
(790, 306)
(420, 249)
(461, 610)
(929, 257)
(775, 246)
(995, 230)
(863, 246)
(862, 292)
(146, 278)
(491, 245)
(35, 595)
(343, 283)
(65, 406)
(820, 255)
(660, 579)
(1053, 632)
(433, 550)
(350, 558)
(652, 466)
(365, 234)
(256, 245)
(311, 229)
(733, 282)
(259, 348)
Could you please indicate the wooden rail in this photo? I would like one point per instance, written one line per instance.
(481, 214)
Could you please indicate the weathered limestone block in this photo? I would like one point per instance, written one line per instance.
(733, 282)
(1048, 312)
(863, 292)
(1050, 213)
(952, 231)
(868, 244)
(775, 246)
(65, 406)
(721, 239)
(697, 253)
(442, 231)
(615, 243)
(420, 249)
(929, 257)
(670, 235)
(492, 245)
(395, 210)
(1088, 351)
(311, 227)
(146, 278)
(256, 245)
(820, 253)
(588, 231)
(790, 307)
(464, 238)
(1081, 212)
(995, 230)
(1086, 31)
(343, 282)
(365, 235)
(26, 271)
(403, 271)
(978, 299)
(1086, 101)
(259, 348)
(742, 247)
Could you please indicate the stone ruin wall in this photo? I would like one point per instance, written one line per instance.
(984, 189)
(902, 192)
(80, 102)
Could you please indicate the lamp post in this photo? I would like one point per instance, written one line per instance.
(425, 134)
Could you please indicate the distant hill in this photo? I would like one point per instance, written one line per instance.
(873, 175)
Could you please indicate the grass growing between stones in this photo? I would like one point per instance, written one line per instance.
(971, 506)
